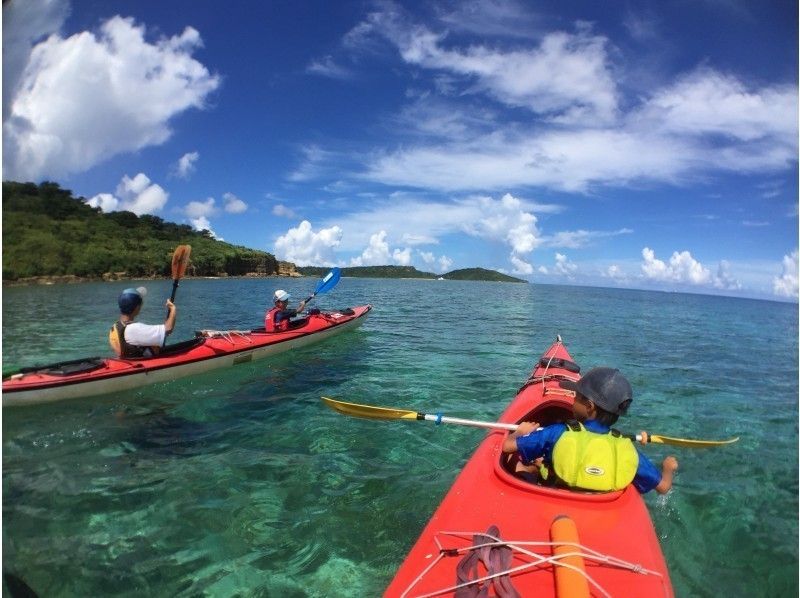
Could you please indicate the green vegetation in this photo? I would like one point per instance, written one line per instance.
(47, 232)
(480, 274)
(411, 272)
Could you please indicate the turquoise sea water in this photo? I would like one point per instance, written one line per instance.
(240, 482)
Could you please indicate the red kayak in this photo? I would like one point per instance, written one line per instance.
(512, 537)
(211, 350)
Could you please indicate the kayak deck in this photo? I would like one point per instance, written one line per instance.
(621, 552)
(219, 349)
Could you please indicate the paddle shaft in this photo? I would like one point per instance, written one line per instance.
(388, 413)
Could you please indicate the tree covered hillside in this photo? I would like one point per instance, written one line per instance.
(48, 232)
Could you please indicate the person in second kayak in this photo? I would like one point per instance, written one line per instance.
(134, 339)
(586, 453)
(278, 318)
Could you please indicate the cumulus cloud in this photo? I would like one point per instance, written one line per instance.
(138, 195)
(24, 24)
(196, 209)
(201, 223)
(439, 265)
(786, 285)
(234, 205)
(378, 253)
(682, 268)
(83, 99)
(520, 266)
(185, 166)
(564, 267)
(305, 247)
(507, 221)
(615, 273)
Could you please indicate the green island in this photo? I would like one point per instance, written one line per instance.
(50, 235)
(412, 272)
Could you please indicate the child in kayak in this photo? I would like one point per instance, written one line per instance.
(279, 317)
(586, 453)
(131, 339)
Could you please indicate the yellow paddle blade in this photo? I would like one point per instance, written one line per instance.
(180, 261)
(655, 438)
(368, 411)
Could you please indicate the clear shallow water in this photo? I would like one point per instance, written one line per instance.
(241, 482)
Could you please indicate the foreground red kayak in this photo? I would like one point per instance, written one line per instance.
(521, 539)
(214, 349)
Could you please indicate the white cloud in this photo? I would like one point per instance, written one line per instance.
(305, 247)
(402, 257)
(138, 195)
(581, 238)
(567, 77)
(684, 269)
(282, 211)
(234, 205)
(706, 102)
(564, 267)
(86, 98)
(327, 67)
(786, 285)
(376, 253)
(104, 201)
(185, 166)
(25, 23)
(615, 273)
(520, 266)
(197, 209)
(201, 223)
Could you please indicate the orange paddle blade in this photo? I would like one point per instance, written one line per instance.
(180, 261)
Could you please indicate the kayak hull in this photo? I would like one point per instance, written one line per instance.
(211, 353)
(487, 493)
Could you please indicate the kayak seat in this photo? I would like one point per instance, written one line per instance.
(175, 349)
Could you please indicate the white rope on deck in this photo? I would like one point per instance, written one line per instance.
(538, 560)
(228, 335)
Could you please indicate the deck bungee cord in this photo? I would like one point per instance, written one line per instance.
(517, 548)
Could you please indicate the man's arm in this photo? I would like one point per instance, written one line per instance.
(169, 323)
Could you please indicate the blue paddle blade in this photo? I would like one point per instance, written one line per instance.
(327, 283)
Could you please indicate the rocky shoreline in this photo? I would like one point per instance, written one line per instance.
(285, 269)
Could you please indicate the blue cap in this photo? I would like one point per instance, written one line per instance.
(605, 387)
(130, 299)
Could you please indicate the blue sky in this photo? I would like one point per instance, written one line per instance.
(631, 144)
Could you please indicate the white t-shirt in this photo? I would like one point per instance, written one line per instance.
(145, 335)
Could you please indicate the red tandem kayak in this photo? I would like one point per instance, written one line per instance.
(214, 349)
(534, 540)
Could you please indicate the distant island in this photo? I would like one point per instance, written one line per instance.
(411, 272)
(51, 236)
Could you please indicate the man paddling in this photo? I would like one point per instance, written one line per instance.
(279, 317)
(585, 453)
(131, 339)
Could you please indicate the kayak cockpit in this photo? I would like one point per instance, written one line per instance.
(512, 470)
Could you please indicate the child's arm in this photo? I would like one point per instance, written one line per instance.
(668, 468)
(510, 443)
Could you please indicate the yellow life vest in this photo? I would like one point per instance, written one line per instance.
(116, 338)
(591, 461)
